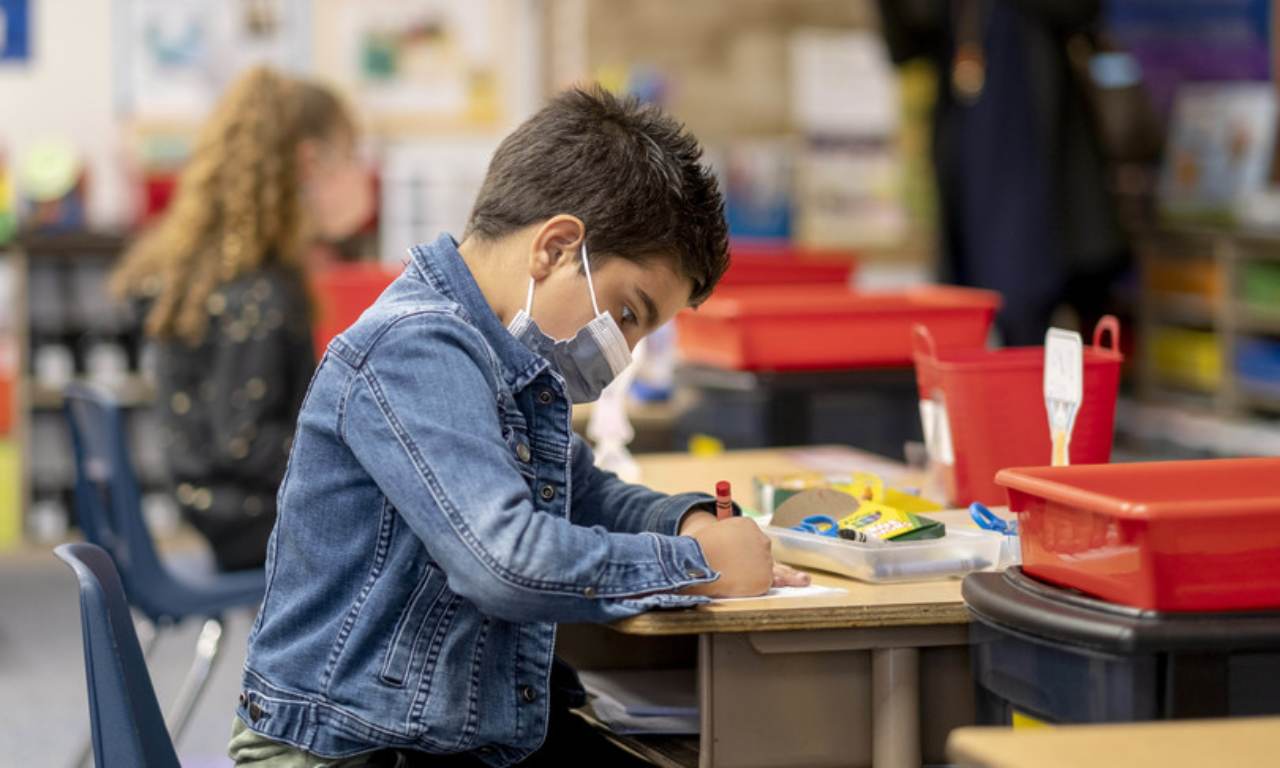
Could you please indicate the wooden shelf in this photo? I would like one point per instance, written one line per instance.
(1184, 310)
(71, 243)
(133, 392)
(1213, 232)
(1172, 391)
(1253, 319)
(1261, 400)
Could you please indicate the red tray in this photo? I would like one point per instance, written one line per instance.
(826, 327)
(758, 263)
(1165, 536)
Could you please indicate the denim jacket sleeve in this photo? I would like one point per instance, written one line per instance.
(421, 417)
(600, 498)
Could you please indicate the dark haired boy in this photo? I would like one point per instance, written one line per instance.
(438, 516)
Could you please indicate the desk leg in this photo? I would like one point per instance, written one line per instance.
(895, 691)
(706, 701)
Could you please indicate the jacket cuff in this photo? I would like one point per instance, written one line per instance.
(674, 509)
(683, 562)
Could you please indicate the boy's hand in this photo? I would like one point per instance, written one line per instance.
(696, 521)
(740, 551)
(783, 575)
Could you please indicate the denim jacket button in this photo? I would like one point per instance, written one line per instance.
(528, 694)
(545, 397)
(243, 698)
(589, 592)
(694, 573)
(255, 712)
(547, 493)
(523, 453)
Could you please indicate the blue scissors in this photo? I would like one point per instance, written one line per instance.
(822, 525)
(989, 521)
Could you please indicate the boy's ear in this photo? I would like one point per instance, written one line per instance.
(556, 243)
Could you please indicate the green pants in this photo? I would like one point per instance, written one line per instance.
(251, 750)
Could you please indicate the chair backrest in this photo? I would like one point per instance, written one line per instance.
(128, 727)
(108, 501)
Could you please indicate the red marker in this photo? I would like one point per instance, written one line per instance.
(724, 501)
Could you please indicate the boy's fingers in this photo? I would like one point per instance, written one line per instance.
(786, 576)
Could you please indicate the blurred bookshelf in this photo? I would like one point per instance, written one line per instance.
(1209, 322)
(68, 328)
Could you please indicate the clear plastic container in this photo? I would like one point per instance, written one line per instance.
(956, 554)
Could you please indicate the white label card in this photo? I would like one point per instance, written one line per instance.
(1063, 366)
(1063, 389)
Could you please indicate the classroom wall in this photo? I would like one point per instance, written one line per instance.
(65, 91)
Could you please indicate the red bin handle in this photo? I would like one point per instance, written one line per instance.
(1107, 326)
(922, 342)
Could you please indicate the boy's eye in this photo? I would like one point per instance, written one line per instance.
(627, 315)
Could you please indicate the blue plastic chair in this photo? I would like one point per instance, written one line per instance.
(128, 729)
(108, 505)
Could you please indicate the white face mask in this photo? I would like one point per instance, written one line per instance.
(596, 354)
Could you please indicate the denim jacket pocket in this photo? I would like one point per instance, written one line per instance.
(420, 623)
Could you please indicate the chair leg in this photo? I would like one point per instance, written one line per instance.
(208, 648)
(148, 638)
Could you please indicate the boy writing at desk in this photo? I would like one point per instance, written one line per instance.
(439, 517)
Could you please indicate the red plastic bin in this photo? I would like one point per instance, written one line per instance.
(826, 327)
(343, 292)
(1164, 536)
(760, 264)
(6, 405)
(993, 401)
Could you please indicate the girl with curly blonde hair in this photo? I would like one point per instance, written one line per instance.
(222, 280)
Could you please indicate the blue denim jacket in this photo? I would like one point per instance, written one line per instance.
(437, 517)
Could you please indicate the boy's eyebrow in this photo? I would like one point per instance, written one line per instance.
(650, 308)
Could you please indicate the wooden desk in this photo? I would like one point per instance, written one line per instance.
(835, 680)
(1239, 743)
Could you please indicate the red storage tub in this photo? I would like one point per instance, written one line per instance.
(1164, 536)
(993, 402)
(780, 264)
(6, 405)
(343, 292)
(826, 327)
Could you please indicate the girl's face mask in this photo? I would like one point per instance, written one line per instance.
(590, 360)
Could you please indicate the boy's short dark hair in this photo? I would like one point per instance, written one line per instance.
(629, 171)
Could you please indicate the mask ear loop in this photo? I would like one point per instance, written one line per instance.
(586, 267)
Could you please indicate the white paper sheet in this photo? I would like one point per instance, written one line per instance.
(779, 593)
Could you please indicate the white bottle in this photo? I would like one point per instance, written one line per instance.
(609, 427)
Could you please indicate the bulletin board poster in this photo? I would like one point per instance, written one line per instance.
(1219, 149)
(1177, 41)
(177, 56)
(15, 31)
(432, 62)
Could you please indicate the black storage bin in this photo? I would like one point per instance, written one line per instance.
(877, 410)
(1062, 657)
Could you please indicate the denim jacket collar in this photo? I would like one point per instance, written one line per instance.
(442, 267)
